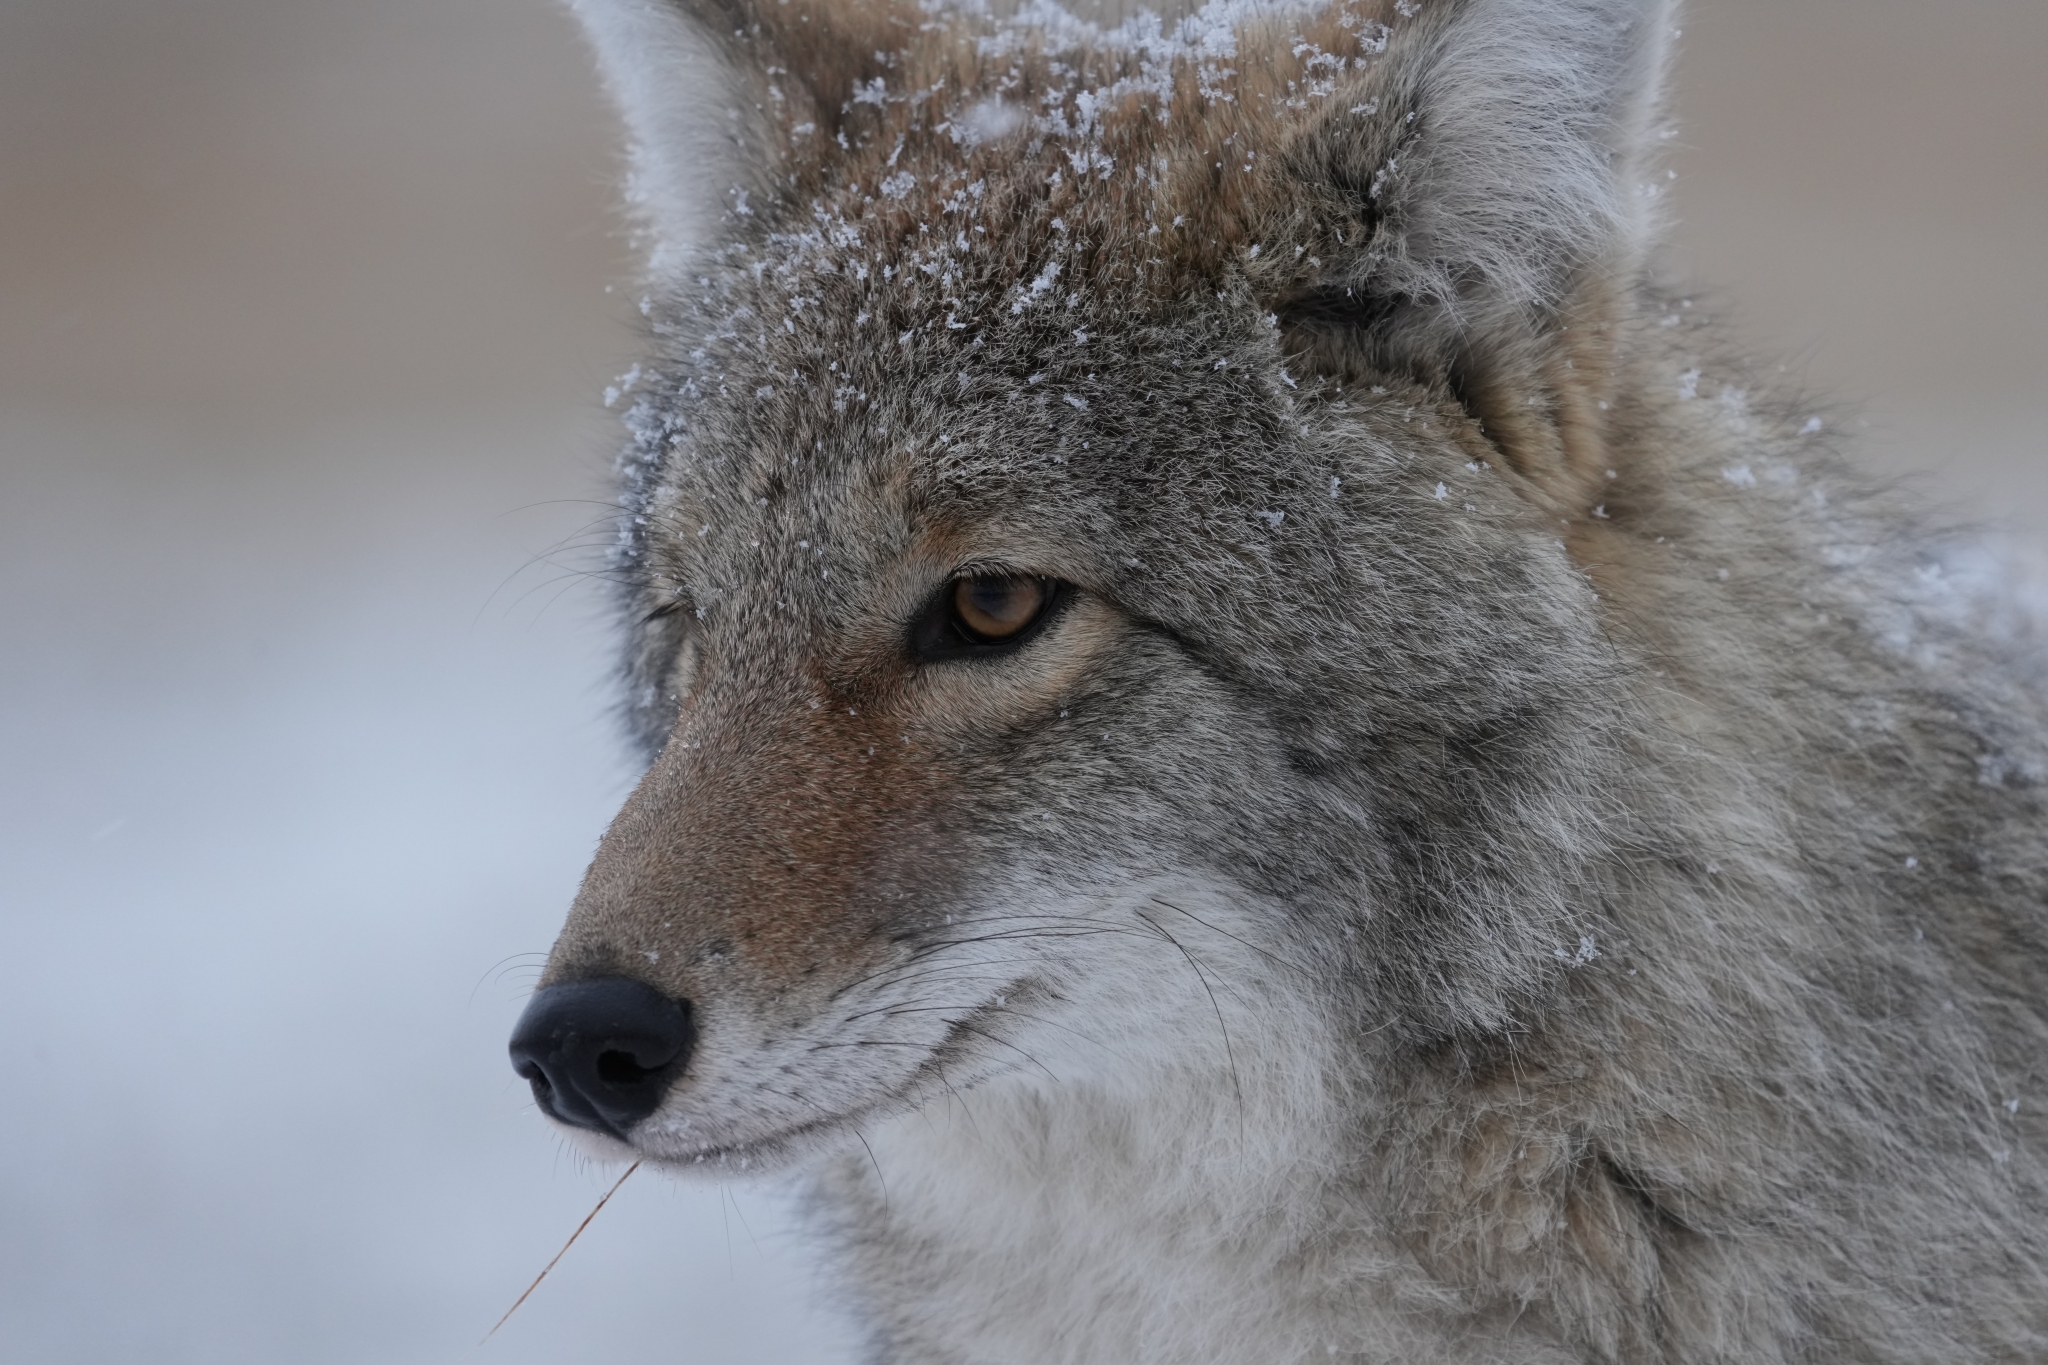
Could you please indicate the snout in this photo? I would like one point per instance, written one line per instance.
(601, 1053)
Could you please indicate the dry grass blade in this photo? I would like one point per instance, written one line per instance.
(560, 1254)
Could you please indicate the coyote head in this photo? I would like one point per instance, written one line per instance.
(1098, 544)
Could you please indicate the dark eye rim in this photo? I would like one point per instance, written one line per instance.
(938, 634)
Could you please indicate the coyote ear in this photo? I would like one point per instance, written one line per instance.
(726, 100)
(1488, 180)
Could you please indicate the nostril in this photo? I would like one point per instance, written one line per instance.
(602, 1053)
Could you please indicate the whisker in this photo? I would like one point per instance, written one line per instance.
(1039, 927)
(980, 1033)
(1270, 957)
(861, 1042)
(501, 966)
(880, 1179)
(1229, 1055)
(745, 1227)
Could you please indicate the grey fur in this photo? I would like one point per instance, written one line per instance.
(1516, 851)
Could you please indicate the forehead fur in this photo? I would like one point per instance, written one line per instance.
(1078, 141)
(956, 209)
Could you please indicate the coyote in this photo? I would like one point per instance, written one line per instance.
(1260, 749)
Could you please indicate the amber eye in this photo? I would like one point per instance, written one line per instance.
(994, 608)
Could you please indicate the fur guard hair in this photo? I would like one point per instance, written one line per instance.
(1510, 851)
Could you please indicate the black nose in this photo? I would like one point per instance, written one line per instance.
(601, 1053)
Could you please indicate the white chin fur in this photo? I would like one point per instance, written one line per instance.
(604, 1150)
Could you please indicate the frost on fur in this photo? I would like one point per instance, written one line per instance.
(1500, 845)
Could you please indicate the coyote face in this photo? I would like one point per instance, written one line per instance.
(1010, 501)
(1185, 593)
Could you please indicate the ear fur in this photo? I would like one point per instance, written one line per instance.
(671, 88)
(1499, 218)
(709, 90)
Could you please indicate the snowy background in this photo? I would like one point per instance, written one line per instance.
(303, 740)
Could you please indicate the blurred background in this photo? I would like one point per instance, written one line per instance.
(305, 311)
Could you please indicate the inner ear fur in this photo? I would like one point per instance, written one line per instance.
(1477, 210)
(734, 104)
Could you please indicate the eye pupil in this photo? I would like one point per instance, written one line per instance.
(995, 608)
